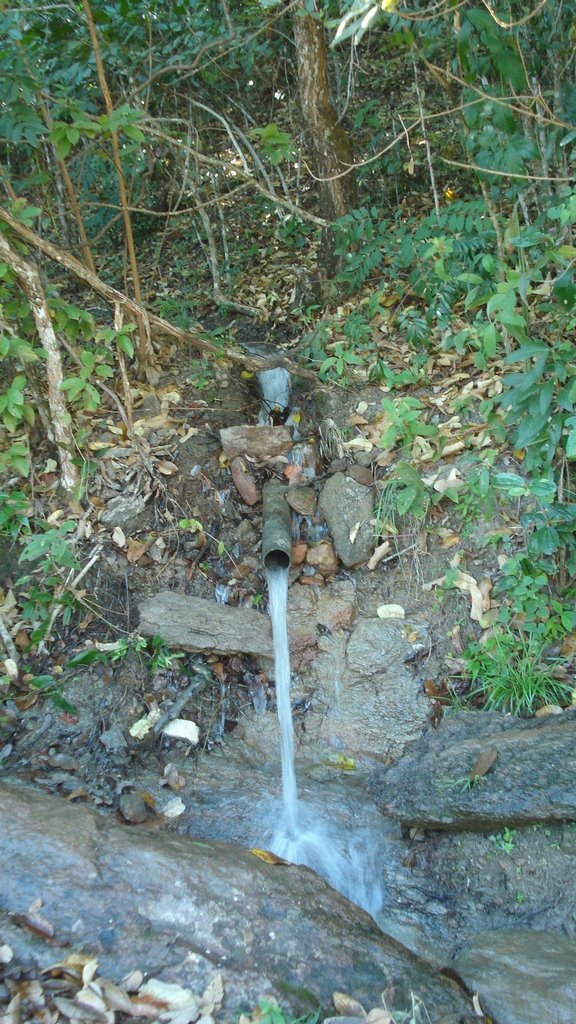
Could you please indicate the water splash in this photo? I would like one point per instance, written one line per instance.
(348, 860)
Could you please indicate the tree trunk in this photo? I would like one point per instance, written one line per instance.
(29, 279)
(330, 149)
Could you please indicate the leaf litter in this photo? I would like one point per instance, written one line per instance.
(74, 990)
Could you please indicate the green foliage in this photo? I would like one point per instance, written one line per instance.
(512, 672)
(404, 422)
(275, 144)
(506, 841)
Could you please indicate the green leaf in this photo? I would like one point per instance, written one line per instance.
(526, 351)
(126, 345)
(74, 386)
(87, 658)
(571, 439)
(134, 133)
(405, 499)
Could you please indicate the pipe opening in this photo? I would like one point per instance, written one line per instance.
(276, 560)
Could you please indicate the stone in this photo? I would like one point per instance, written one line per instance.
(302, 500)
(532, 779)
(261, 443)
(299, 549)
(244, 482)
(348, 508)
(361, 474)
(382, 701)
(323, 557)
(522, 976)
(337, 606)
(195, 624)
(134, 808)
(123, 510)
(186, 911)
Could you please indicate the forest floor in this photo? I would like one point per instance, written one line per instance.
(88, 749)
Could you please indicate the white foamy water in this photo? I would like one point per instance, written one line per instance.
(278, 597)
(348, 860)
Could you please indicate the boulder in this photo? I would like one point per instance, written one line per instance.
(348, 508)
(381, 703)
(184, 911)
(523, 976)
(195, 624)
(526, 774)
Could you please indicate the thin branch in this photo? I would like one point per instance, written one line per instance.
(112, 295)
(29, 280)
(504, 174)
(7, 640)
(507, 25)
(427, 145)
(145, 354)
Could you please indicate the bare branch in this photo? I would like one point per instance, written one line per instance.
(113, 296)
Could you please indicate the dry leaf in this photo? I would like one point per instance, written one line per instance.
(142, 727)
(346, 764)
(379, 554)
(173, 808)
(569, 645)
(166, 996)
(173, 778)
(379, 1016)
(465, 582)
(166, 468)
(135, 550)
(118, 536)
(213, 995)
(345, 1004)
(358, 444)
(390, 611)
(483, 763)
(446, 478)
(267, 856)
(182, 729)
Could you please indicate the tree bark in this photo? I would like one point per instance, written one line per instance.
(29, 279)
(331, 155)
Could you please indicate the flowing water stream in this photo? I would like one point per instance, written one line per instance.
(302, 833)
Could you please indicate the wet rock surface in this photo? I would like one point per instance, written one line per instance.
(531, 777)
(141, 900)
(504, 967)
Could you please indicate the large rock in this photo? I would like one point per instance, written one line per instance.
(381, 704)
(524, 977)
(185, 910)
(532, 777)
(195, 624)
(348, 508)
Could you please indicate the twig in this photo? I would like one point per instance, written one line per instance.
(203, 676)
(71, 585)
(427, 145)
(7, 640)
(112, 295)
